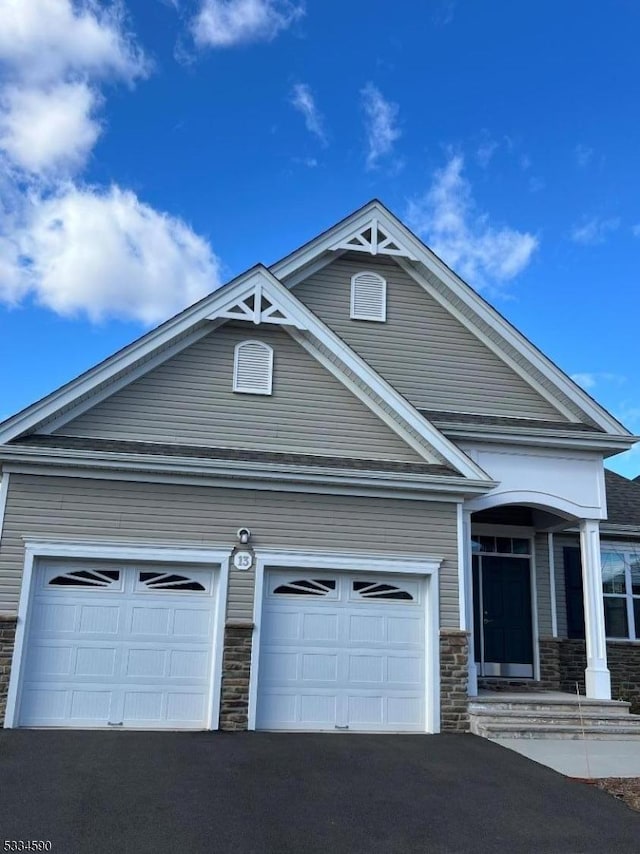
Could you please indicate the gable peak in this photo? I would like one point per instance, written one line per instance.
(257, 304)
(375, 238)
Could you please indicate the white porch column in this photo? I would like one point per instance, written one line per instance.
(597, 677)
(472, 686)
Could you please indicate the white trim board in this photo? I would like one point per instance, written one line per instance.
(35, 549)
(427, 567)
(4, 492)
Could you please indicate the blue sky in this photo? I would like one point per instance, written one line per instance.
(150, 150)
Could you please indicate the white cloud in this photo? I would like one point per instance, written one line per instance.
(594, 231)
(45, 130)
(303, 101)
(381, 124)
(583, 155)
(52, 55)
(444, 13)
(105, 254)
(590, 380)
(44, 40)
(73, 249)
(225, 23)
(448, 219)
(635, 230)
(485, 152)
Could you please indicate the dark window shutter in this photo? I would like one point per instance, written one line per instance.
(573, 590)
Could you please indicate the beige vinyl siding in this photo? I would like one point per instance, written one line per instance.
(543, 585)
(560, 541)
(422, 350)
(189, 400)
(518, 357)
(107, 511)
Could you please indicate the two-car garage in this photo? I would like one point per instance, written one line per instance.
(135, 644)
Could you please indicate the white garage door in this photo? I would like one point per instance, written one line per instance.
(113, 645)
(342, 652)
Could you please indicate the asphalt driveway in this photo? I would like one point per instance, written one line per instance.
(95, 792)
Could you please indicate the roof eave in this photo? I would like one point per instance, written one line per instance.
(16, 456)
(566, 439)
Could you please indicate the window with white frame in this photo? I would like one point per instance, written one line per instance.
(368, 297)
(621, 588)
(253, 368)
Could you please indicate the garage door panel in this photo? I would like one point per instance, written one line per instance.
(366, 628)
(318, 709)
(192, 623)
(405, 670)
(283, 625)
(120, 654)
(188, 664)
(345, 660)
(95, 662)
(366, 668)
(49, 660)
(100, 619)
(320, 667)
(365, 710)
(146, 663)
(319, 627)
(150, 622)
(55, 617)
(408, 631)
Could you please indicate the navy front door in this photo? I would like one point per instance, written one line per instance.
(502, 600)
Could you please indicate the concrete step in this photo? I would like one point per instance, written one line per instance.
(591, 717)
(551, 705)
(504, 730)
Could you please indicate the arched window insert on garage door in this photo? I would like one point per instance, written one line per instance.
(86, 578)
(375, 590)
(306, 587)
(169, 581)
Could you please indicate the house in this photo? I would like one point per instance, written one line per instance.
(334, 494)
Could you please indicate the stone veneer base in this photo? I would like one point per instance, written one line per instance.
(7, 640)
(563, 662)
(454, 674)
(236, 669)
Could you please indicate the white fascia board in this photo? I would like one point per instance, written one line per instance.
(140, 463)
(582, 441)
(129, 356)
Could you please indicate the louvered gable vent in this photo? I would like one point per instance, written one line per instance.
(368, 297)
(253, 368)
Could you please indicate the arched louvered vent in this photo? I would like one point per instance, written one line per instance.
(368, 297)
(253, 368)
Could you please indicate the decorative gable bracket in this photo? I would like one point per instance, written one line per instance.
(257, 306)
(374, 239)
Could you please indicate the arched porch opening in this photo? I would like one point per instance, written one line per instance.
(515, 592)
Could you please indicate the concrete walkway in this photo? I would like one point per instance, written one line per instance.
(580, 758)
